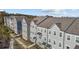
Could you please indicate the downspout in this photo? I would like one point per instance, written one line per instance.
(63, 40)
(28, 31)
(47, 40)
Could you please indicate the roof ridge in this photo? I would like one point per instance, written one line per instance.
(43, 20)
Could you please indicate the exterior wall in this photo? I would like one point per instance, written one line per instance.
(5, 21)
(15, 25)
(10, 21)
(41, 37)
(70, 43)
(33, 31)
(55, 40)
(24, 29)
(77, 40)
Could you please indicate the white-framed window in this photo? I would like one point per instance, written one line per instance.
(38, 29)
(41, 30)
(49, 40)
(54, 32)
(59, 44)
(60, 34)
(68, 37)
(77, 39)
(54, 43)
(45, 38)
(32, 26)
(45, 31)
(49, 32)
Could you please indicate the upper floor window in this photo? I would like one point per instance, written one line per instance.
(49, 32)
(11, 18)
(32, 26)
(38, 29)
(54, 33)
(68, 37)
(45, 31)
(49, 40)
(45, 38)
(59, 44)
(41, 30)
(77, 39)
(54, 42)
(60, 34)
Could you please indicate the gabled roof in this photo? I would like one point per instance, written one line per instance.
(62, 23)
(46, 23)
(38, 19)
(19, 17)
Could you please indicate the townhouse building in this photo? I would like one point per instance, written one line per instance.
(49, 33)
(46, 31)
(14, 22)
(35, 35)
(26, 26)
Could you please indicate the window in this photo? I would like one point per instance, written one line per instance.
(60, 34)
(77, 39)
(59, 44)
(67, 47)
(32, 26)
(35, 33)
(45, 39)
(49, 46)
(49, 32)
(68, 37)
(45, 30)
(54, 33)
(38, 29)
(11, 19)
(54, 43)
(41, 30)
(49, 40)
(32, 32)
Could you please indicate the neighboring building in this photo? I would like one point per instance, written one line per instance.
(26, 26)
(35, 34)
(33, 31)
(24, 29)
(66, 39)
(14, 22)
(49, 33)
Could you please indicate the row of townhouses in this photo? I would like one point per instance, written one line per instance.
(46, 31)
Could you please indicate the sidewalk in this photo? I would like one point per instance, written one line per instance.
(21, 43)
(25, 43)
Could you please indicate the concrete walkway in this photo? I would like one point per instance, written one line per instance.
(31, 45)
(21, 43)
(14, 37)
